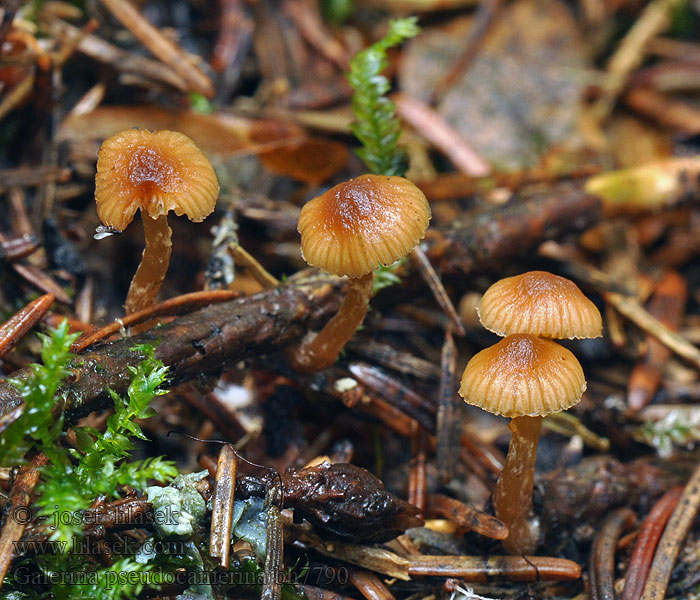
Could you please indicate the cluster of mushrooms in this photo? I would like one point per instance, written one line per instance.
(351, 230)
(527, 376)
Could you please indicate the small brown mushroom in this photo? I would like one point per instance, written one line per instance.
(156, 172)
(525, 378)
(539, 303)
(350, 230)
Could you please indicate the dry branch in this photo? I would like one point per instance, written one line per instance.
(490, 237)
(200, 343)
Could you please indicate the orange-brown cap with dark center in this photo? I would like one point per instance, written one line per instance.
(539, 303)
(360, 224)
(156, 172)
(523, 375)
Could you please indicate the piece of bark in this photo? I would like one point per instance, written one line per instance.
(222, 506)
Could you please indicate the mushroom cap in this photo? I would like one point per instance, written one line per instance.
(360, 224)
(539, 303)
(156, 172)
(523, 375)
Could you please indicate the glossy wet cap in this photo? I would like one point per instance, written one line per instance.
(156, 172)
(360, 224)
(542, 304)
(523, 375)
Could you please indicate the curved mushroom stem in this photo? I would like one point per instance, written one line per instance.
(154, 264)
(513, 497)
(320, 352)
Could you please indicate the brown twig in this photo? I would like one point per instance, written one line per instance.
(394, 392)
(467, 517)
(484, 19)
(160, 46)
(644, 547)
(202, 342)
(676, 114)
(17, 248)
(418, 478)
(391, 416)
(232, 45)
(486, 237)
(41, 281)
(488, 455)
(17, 95)
(259, 273)
(33, 176)
(178, 305)
(452, 186)
(630, 53)
(670, 545)
(630, 308)
(308, 20)
(434, 129)
(602, 563)
(391, 358)
(373, 558)
(430, 277)
(123, 61)
(18, 511)
(483, 569)
(17, 326)
(369, 585)
(10, 8)
(217, 411)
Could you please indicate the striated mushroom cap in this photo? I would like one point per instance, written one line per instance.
(523, 375)
(360, 224)
(156, 172)
(539, 303)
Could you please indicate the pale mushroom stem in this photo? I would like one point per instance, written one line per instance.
(513, 497)
(320, 352)
(154, 264)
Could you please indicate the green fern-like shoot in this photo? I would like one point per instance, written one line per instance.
(97, 467)
(376, 124)
(38, 426)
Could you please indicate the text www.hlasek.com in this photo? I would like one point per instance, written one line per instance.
(88, 546)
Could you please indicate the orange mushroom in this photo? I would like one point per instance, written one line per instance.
(155, 172)
(525, 378)
(350, 230)
(539, 303)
